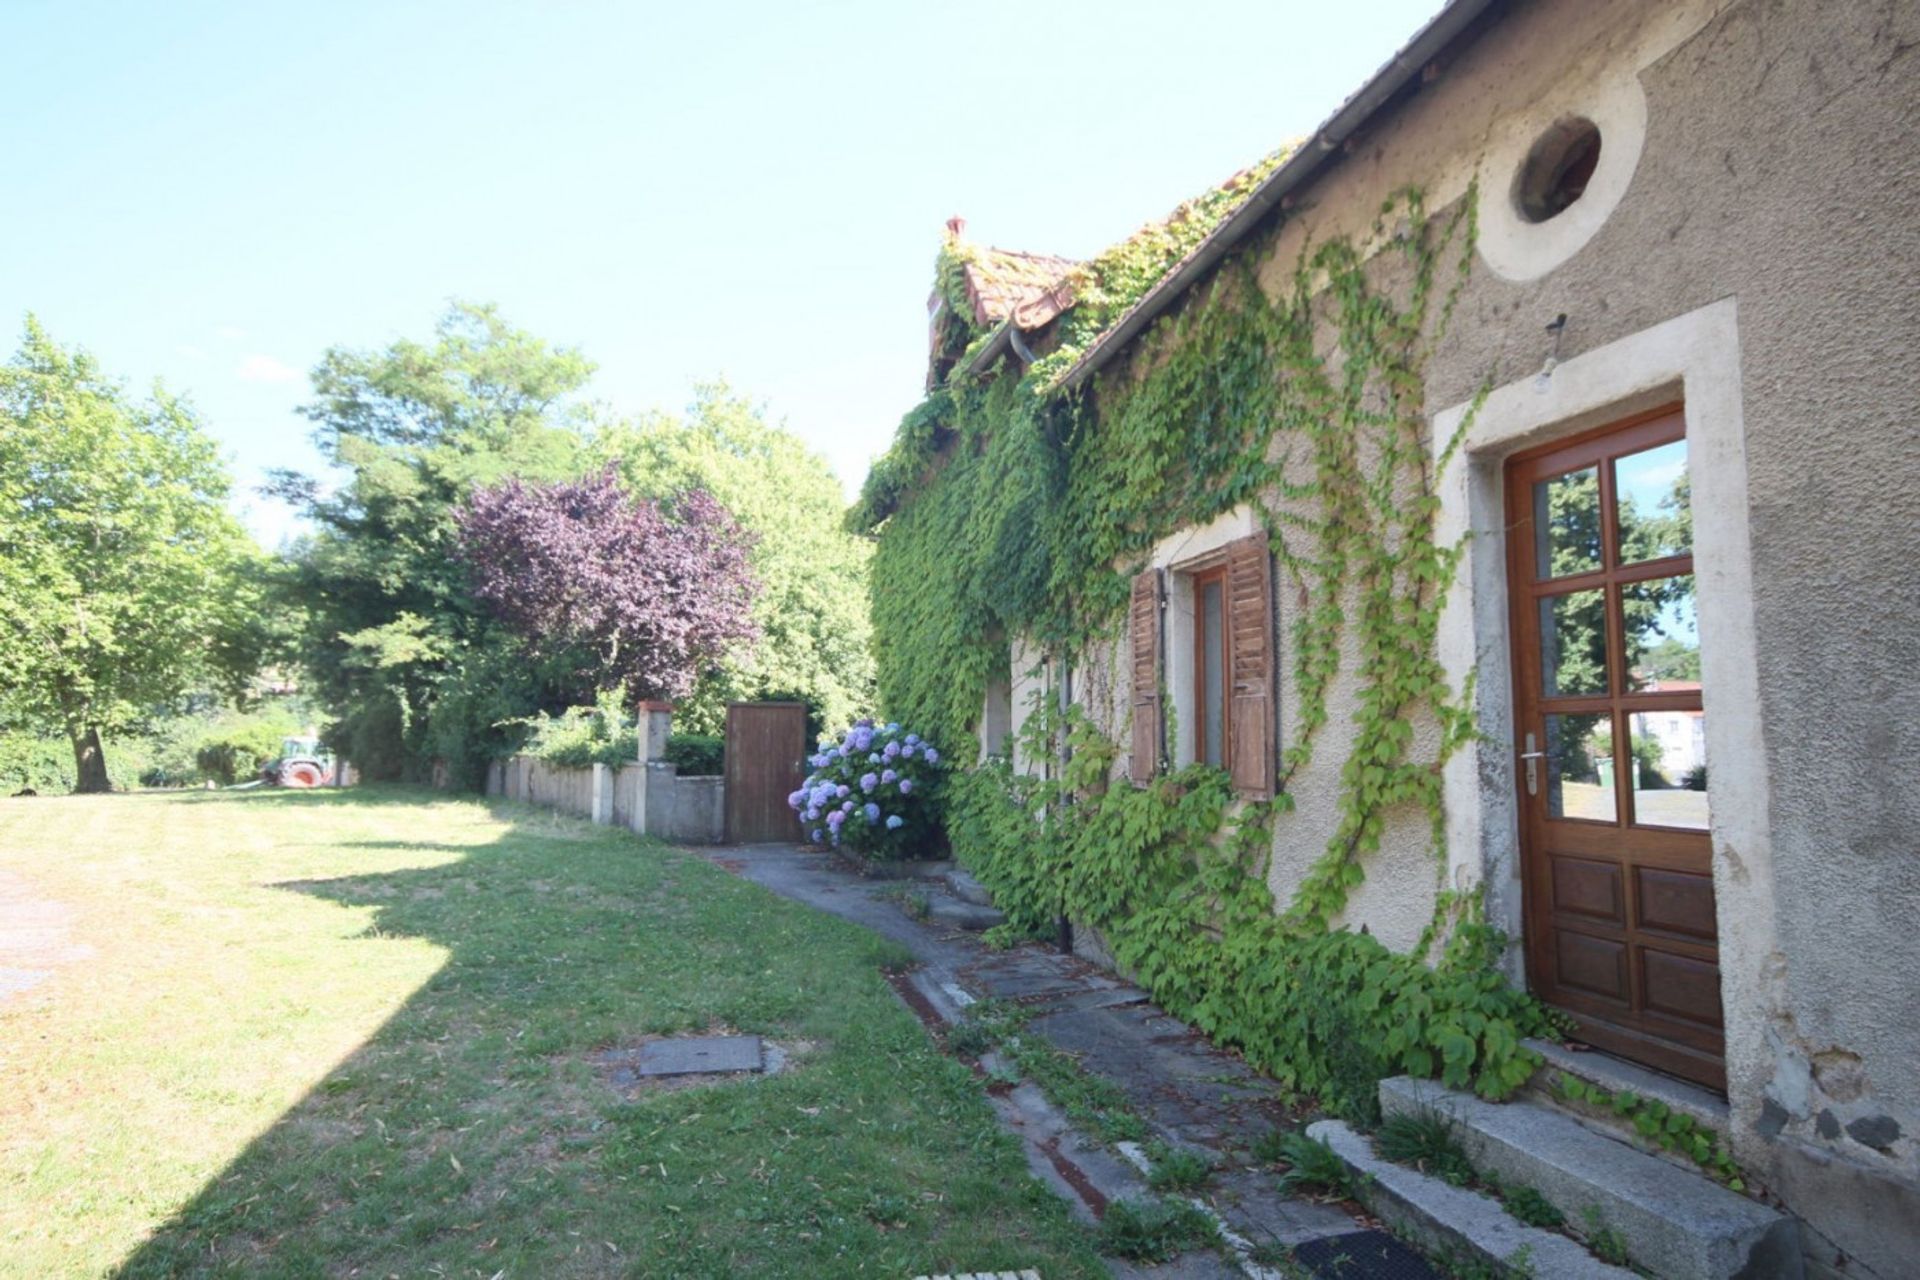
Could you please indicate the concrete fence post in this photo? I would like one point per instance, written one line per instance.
(656, 724)
(601, 806)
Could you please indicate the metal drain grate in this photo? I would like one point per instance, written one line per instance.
(1363, 1255)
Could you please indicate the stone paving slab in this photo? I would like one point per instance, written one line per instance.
(1188, 1091)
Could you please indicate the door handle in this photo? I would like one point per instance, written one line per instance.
(1533, 758)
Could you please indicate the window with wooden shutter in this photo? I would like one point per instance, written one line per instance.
(1143, 624)
(1250, 662)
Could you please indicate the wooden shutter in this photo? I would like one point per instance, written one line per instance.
(1250, 663)
(1143, 626)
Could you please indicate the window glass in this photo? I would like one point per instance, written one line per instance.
(1573, 644)
(1213, 677)
(1670, 769)
(1662, 633)
(1580, 767)
(1566, 524)
(1654, 503)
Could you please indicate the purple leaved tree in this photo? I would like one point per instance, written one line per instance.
(646, 597)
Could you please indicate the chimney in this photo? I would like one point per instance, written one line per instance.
(956, 227)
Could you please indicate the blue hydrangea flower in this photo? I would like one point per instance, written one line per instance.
(913, 739)
(906, 786)
(872, 811)
(797, 799)
(888, 775)
(814, 835)
(868, 781)
(835, 818)
(843, 791)
(894, 727)
(933, 757)
(895, 822)
(892, 752)
(811, 815)
(845, 807)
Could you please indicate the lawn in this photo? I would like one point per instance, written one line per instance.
(353, 1034)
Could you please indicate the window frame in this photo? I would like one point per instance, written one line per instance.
(1200, 579)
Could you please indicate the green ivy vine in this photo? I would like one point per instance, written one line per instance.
(1008, 507)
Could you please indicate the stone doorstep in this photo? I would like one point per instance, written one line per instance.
(1677, 1223)
(1617, 1075)
(1453, 1220)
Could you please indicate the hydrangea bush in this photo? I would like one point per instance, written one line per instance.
(871, 791)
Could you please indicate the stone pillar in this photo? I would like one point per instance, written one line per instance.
(601, 804)
(655, 799)
(656, 722)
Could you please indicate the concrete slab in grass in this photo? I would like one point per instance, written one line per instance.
(1675, 1222)
(700, 1055)
(1453, 1220)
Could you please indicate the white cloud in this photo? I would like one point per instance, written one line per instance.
(259, 368)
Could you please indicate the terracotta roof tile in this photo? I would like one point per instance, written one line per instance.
(1001, 280)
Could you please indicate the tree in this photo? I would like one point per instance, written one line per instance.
(123, 577)
(815, 635)
(406, 662)
(622, 591)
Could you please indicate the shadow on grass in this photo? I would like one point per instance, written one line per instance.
(471, 1134)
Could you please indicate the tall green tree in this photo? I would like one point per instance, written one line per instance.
(815, 636)
(395, 644)
(123, 577)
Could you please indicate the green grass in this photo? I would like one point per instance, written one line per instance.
(1092, 1102)
(1313, 1165)
(1425, 1140)
(1154, 1230)
(334, 1034)
(1177, 1168)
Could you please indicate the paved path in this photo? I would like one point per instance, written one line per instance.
(1189, 1092)
(35, 937)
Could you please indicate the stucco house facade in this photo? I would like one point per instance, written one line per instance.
(1672, 425)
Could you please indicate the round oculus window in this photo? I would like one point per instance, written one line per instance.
(1557, 169)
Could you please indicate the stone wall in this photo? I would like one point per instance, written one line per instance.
(649, 798)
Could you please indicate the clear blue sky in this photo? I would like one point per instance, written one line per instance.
(212, 194)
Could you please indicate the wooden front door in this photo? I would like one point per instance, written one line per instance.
(1611, 747)
(766, 749)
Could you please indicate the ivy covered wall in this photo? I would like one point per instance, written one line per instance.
(1009, 508)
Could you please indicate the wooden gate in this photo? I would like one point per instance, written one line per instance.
(766, 762)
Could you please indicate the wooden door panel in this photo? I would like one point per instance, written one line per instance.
(1680, 986)
(1597, 966)
(1675, 902)
(1621, 928)
(1582, 886)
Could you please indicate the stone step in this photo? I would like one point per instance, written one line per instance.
(966, 888)
(1676, 1223)
(956, 914)
(1456, 1223)
(1618, 1076)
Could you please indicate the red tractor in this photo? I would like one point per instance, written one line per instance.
(303, 762)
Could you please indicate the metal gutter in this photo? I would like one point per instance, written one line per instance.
(1315, 154)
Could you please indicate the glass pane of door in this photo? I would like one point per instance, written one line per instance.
(1573, 644)
(1653, 501)
(1661, 632)
(1580, 767)
(1566, 524)
(1670, 769)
